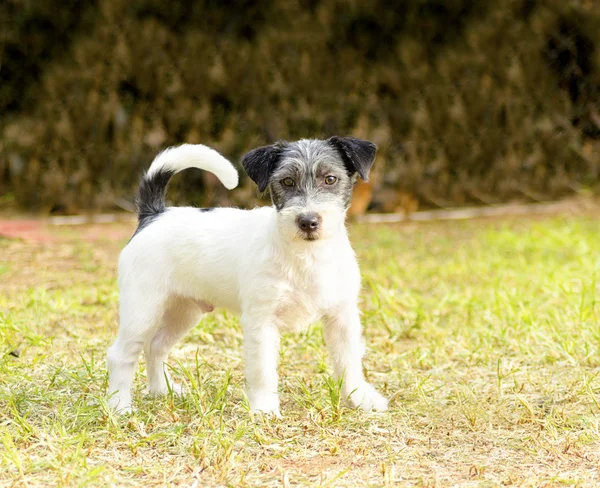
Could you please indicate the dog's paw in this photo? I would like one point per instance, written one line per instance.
(120, 406)
(178, 389)
(367, 398)
(264, 402)
(164, 389)
(126, 410)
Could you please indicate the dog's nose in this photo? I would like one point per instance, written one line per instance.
(308, 222)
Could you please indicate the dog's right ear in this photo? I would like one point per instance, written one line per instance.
(260, 163)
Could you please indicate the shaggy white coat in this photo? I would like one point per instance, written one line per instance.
(187, 262)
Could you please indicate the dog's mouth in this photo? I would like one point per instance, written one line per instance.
(309, 236)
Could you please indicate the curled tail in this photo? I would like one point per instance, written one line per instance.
(151, 194)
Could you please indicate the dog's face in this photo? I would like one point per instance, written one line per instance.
(310, 182)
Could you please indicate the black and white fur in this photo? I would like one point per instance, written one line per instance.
(280, 267)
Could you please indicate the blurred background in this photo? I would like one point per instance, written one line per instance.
(471, 102)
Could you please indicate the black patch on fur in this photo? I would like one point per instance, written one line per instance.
(150, 202)
(358, 155)
(151, 194)
(142, 224)
(261, 162)
(206, 209)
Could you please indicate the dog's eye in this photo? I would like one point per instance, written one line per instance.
(330, 180)
(288, 182)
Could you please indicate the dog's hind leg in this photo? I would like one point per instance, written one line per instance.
(180, 316)
(140, 314)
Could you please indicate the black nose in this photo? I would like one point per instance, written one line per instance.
(308, 222)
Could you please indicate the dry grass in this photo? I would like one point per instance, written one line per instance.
(484, 334)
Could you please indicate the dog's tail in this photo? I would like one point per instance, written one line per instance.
(151, 194)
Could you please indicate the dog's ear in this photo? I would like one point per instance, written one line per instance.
(261, 162)
(358, 155)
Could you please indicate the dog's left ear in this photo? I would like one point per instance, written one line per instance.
(261, 162)
(358, 155)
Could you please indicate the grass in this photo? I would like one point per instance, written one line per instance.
(484, 334)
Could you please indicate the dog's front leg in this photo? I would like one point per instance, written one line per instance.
(343, 336)
(261, 351)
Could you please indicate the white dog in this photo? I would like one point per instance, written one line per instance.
(285, 266)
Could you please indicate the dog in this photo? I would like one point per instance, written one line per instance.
(280, 267)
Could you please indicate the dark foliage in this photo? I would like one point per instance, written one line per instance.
(467, 101)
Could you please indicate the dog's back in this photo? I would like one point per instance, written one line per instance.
(190, 251)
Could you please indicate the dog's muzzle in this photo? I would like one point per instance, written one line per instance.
(309, 225)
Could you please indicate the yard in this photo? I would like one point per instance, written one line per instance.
(484, 334)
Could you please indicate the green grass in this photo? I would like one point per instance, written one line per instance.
(484, 334)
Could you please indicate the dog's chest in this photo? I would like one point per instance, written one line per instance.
(305, 298)
(296, 309)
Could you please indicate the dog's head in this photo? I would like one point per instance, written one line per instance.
(310, 182)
